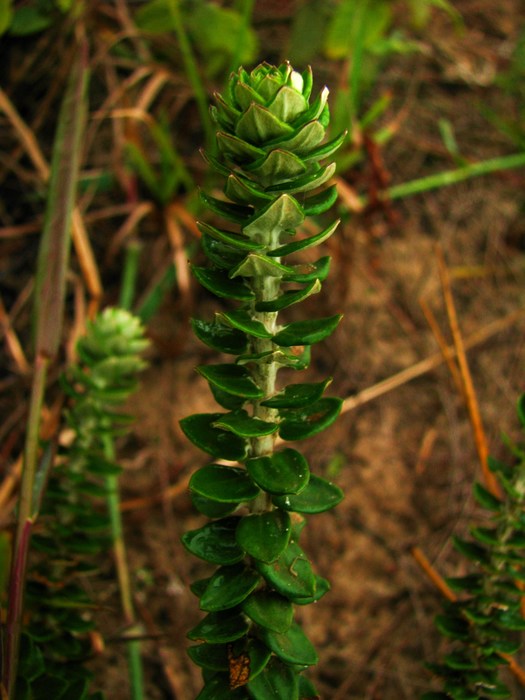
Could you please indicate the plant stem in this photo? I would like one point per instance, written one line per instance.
(126, 598)
(129, 277)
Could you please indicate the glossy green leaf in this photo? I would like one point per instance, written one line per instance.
(224, 484)
(221, 285)
(215, 542)
(219, 337)
(318, 496)
(277, 682)
(307, 332)
(243, 191)
(322, 586)
(232, 379)
(307, 689)
(304, 183)
(307, 272)
(305, 243)
(226, 400)
(297, 395)
(218, 688)
(288, 104)
(236, 149)
(291, 575)
(301, 424)
(211, 656)
(269, 610)
(319, 203)
(200, 429)
(235, 240)
(288, 298)
(211, 507)
(228, 587)
(223, 256)
(242, 320)
(292, 647)
(305, 139)
(220, 627)
(244, 426)
(284, 472)
(264, 536)
(228, 210)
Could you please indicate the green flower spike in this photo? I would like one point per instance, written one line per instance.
(271, 151)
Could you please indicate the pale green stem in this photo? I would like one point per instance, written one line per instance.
(126, 598)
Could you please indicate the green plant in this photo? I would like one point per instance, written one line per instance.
(73, 526)
(270, 142)
(484, 621)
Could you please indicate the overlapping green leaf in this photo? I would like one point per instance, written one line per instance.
(264, 536)
(228, 587)
(318, 496)
(301, 424)
(215, 542)
(223, 484)
(201, 430)
(283, 472)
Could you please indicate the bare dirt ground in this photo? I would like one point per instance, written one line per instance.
(406, 459)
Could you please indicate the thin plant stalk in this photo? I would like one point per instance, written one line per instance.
(136, 677)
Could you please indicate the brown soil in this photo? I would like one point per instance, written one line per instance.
(406, 458)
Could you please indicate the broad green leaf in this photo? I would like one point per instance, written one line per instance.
(307, 332)
(215, 542)
(244, 426)
(306, 422)
(200, 429)
(211, 507)
(238, 150)
(223, 484)
(305, 243)
(328, 148)
(292, 647)
(233, 379)
(297, 395)
(322, 586)
(218, 688)
(221, 285)
(287, 104)
(305, 183)
(220, 627)
(242, 320)
(258, 125)
(211, 656)
(228, 587)
(277, 166)
(256, 265)
(282, 215)
(219, 337)
(277, 682)
(305, 139)
(226, 400)
(318, 496)
(269, 610)
(284, 472)
(288, 298)
(235, 240)
(243, 191)
(291, 575)
(307, 689)
(264, 536)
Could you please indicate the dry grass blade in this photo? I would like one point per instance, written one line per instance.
(466, 379)
(54, 249)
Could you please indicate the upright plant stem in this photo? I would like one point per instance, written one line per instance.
(134, 651)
